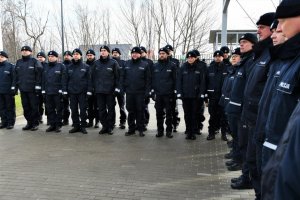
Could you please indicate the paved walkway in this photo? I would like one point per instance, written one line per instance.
(63, 166)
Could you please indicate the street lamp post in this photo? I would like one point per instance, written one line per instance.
(62, 27)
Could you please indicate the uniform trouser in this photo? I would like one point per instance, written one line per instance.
(217, 117)
(30, 104)
(175, 118)
(121, 103)
(107, 113)
(41, 106)
(189, 107)
(255, 173)
(135, 105)
(163, 106)
(81, 101)
(147, 113)
(66, 108)
(7, 109)
(243, 131)
(93, 112)
(200, 114)
(234, 122)
(54, 106)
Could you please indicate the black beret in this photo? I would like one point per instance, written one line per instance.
(26, 48)
(105, 47)
(164, 49)
(4, 54)
(117, 50)
(191, 54)
(143, 49)
(90, 51)
(68, 53)
(136, 50)
(42, 54)
(53, 53)
(249, 37)
(169, 47)
(218, 53)
(266, 19)
(225, 49)
(287, 9)
(77, 51)
(236, 51)
(196, 52)
(274, 24)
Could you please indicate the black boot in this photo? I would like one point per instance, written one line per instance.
(159, 134)
(211, 137)
(141, 134)
(122, 126)
(50, 129)
(130, 132)
(169, 135)
(83, 130)
(75, 129)
(224, 137)
(27, 127)
(241, 185)
(57, 129)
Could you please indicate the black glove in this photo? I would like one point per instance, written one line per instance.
(116, 92)
(13, 92)
(65, 96)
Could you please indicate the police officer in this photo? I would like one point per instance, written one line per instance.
(226, 52)
(53, 87)
(105, 80)
(216, 73)
(93, 112)
(190, 88)
(147, 99)
(135, 82)
(116, 53)
(41, 56)
(200, 109)
(163, 89)
(78, 87)
(66, 102)
(234, 109)
(175, 118)
(226, 91)
(285, 97)
(28, 80)
(7, 92)
(252, 94)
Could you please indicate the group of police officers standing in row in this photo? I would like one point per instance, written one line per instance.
(251, 95)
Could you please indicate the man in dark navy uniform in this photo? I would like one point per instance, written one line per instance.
(163, 88)
(93, 112)
(7, 92)
(79, 86)
(41, 56)
(190, 88)
(66, 102)
(53, 87)
(135, 82)
(105, 81)
(175, 118)
(29, 80)
(116, 53)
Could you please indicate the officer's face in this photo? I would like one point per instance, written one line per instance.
(277, 37)
(52, 58)
(76, 56)
(135, 55)
(115, 54)
(263, 32)
(25, 53)
(245, 46)
(225, 55)
(191, 59)
(90, 57)
(143, 54)
(235, 58)
(2, 58)
(289, 26)
(163, 55)
(104, 53)
(218, 59)
(67, 57)
(41, 58)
